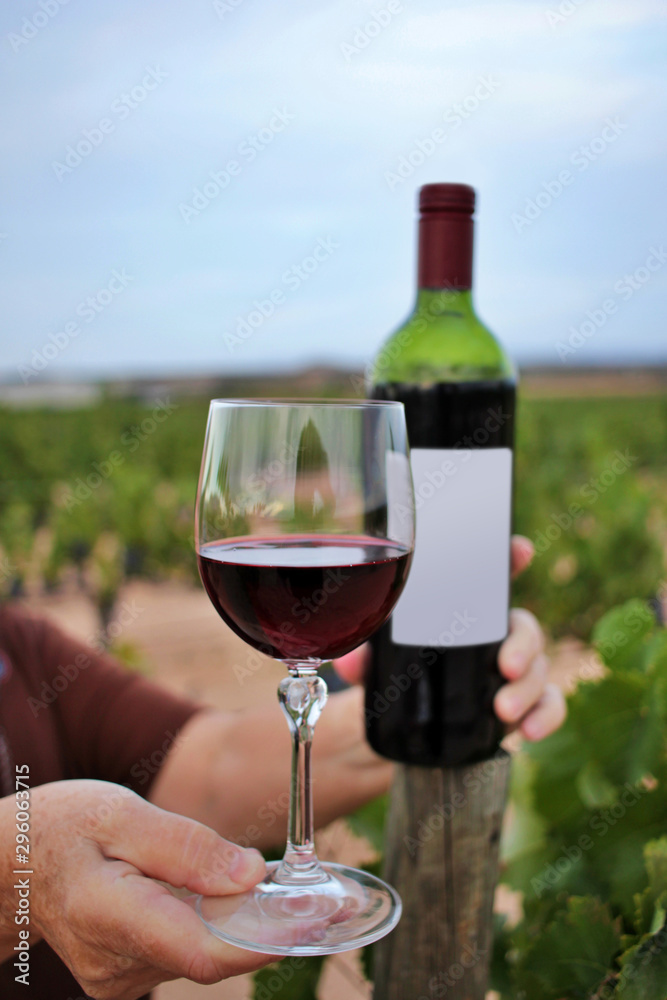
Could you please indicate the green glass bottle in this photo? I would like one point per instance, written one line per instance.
(433, 672)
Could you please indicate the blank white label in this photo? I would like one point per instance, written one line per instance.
(457, 592)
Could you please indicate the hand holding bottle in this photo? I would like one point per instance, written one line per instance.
(528, 701)
(458, 389)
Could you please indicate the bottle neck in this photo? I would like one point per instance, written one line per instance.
(434, 303)
(445, 251)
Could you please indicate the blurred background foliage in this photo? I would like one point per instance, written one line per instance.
(569, 451)
(99, 494)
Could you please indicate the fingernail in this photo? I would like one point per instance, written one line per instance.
(246, 865)
(514, 659)
(532, 730)
(509, 708)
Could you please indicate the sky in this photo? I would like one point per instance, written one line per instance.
(230, 185)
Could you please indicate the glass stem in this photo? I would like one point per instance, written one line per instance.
(302, 697)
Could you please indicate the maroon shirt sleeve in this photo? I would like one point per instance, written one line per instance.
(111, 723)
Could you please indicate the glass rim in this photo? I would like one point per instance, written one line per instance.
(304, 401)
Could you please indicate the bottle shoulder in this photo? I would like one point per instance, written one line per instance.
(448, 345)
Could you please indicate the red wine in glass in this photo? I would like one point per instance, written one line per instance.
(302, 597)
(304, 532)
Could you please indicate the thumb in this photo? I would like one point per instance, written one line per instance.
(180, 851)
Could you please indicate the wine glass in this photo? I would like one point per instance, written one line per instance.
(304, 533)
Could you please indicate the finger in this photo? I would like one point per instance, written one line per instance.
(180, 851)
(352, 666)
(547, 716)
(165, 934)
(514, 700)
(522, 551)
(524, 642)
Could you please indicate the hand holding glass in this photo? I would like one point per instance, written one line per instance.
(305, 533)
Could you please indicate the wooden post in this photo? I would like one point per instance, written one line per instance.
(441, 854)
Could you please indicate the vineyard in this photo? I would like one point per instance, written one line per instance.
(93, 497)
(99, 494)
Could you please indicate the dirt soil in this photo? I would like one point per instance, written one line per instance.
(185, 647)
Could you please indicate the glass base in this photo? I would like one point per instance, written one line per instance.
(346, 909)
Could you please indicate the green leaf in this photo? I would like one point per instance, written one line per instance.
(369, 821)
(619, 635)
(644, 911)
(525, 872)
(295, 978)
(619, 727)
(658, 917)
(559, 759)
(500, 978)
(660, 690)
(595, 791)
(655, 856)
(367, 960)
(644, 972)
(616, 860)
(574, 954)
(656, 653)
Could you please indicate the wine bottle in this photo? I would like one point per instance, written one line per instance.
(434, 672)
